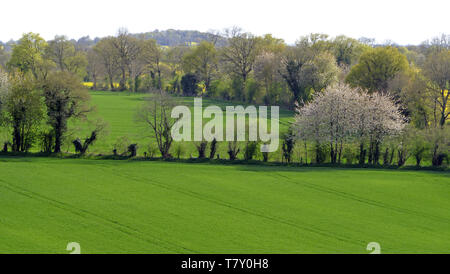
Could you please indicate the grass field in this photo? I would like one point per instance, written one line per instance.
(119, 110)
(161, 207)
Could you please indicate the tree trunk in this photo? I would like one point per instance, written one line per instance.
(94, 80)
(340, 152)
(376, 158)
(122, 81)
(362, 154)
(58, 135)
(111, 83)
(16, 139)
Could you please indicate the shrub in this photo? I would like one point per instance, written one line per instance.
(83, 147)
(132, 149)
(213, 148)
(152, 150)
(201, 148)
(189, 84)
(47, 142)
(233, 150)
(121, 145)
(402, 155)
(321, 153)
(179, 150)
(265, 156)
(349, 155)
(250, 150)
(252, 90)
(288, 146)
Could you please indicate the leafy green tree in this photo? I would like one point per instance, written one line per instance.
(306, 71)
(376, 68)
(152, 54)
(293, 62)
(437, 69)
(106, 52)
(316, 42)
(28, 56)
(347, 50)
(189, 84)
(22, 110)
(268, 43)
(94, 68)
(202, 60)
(59, 50)
(65, 98)
(4, 56)
(127, 51)
(415, 97)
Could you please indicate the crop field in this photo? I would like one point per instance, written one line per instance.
(119, 110)
(130, 206)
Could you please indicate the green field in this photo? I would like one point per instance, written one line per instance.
(164, 207)
(119, 110)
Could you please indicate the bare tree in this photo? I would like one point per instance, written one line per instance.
(240, 53)
(94, 67)
(109, 59)
(66, 57)
(437, 69)
(127, 51)
(156, 113)
(152, 56)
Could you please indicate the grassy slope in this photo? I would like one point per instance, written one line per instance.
(119, 110)
(159, 207)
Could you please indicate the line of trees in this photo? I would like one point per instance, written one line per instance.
(41, 89)
(43, 85)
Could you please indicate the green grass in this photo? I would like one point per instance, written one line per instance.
(119, 109)
(160, 207)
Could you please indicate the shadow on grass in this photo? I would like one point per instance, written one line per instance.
(250, 165)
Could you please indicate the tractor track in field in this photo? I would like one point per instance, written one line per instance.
(305, 227)
(366, 201)
(130, 231)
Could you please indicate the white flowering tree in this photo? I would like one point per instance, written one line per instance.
(383, 119)
(342, 114)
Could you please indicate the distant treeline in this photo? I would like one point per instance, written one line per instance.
(168, 38)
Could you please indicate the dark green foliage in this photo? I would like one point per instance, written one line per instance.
(64, 97)
(47, 142)
(5, 146)
(189, 84)
(213, 148)
(418, 154)
(233, 150)
(288, 146)
(362, 154)
(132, 149)
(401, 155)
(438, 160)
(81, 148)
(250, 150)
(388, 156)
(201, 148)
(321, 153)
